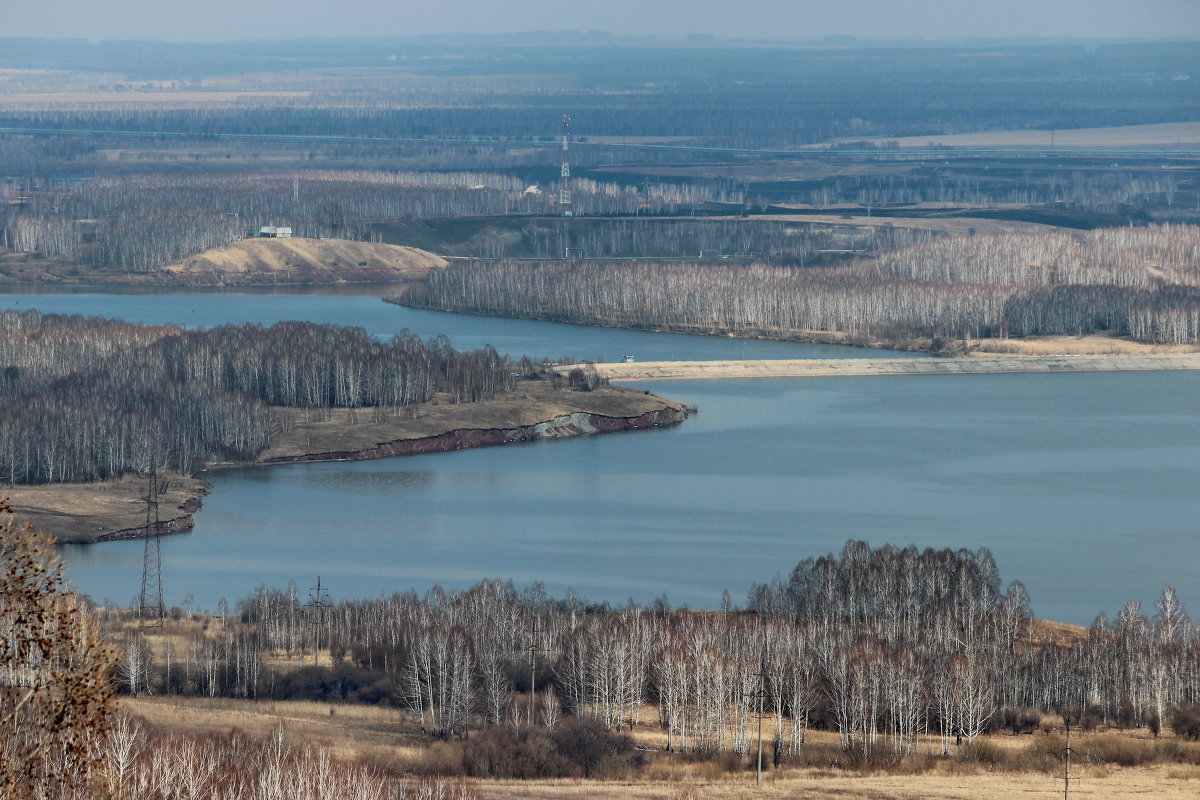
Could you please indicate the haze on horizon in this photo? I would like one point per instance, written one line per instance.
(799, 20)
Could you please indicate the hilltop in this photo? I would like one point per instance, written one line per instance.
(305, 261)
(249, 262)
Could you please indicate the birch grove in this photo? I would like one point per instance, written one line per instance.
(173, 399)
(1143, 283)
(899, 650)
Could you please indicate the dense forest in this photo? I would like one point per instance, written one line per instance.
(84, 398)
(897, 649)
(1137, 282)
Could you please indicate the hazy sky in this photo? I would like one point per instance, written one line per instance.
(225, 20)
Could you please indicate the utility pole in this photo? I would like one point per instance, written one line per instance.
(150, 602)
(319, 604)
(762, 693)
(1067, 760)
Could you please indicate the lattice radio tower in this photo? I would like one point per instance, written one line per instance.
(564, 181)
(150, 606)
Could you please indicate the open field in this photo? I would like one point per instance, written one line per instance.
(835, 367)
(348, 731)
(390, 737)
(1102, 783)
(1165, 135)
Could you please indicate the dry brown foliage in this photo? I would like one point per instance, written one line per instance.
(56, 688)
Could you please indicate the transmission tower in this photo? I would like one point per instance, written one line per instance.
(318, 604)
(534, 648)
(564, 181)
(150, 605)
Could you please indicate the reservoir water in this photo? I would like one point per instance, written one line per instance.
(1084, 486)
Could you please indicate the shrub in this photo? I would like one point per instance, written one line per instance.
(507, 753)
(983, 752)
(335, 684)
(1185, 721)
(576, 749)
(1016, 720)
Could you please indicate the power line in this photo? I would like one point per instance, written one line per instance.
(150, 603)
(564, 181)
(319, 604)
(533, 648)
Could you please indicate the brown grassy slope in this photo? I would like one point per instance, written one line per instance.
(1096, 343)
(331, 259)
(80, 512)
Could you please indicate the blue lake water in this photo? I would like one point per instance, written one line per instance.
(1084, 486)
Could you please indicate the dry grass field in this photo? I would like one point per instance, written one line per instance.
(1100, 783)
(389, 738)
(77, 512)
(1093, 344)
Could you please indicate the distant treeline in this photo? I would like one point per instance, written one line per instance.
(84, 398)
(1143, 282)
(143, 223)
(890, 647)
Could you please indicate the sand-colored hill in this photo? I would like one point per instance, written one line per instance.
(306, 261)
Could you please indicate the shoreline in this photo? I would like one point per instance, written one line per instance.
(915, 345)
(1096, 343)
(579, 423)
(534, 412)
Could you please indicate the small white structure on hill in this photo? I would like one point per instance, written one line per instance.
(271, 232)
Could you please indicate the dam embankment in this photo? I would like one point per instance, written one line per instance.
(845, 367)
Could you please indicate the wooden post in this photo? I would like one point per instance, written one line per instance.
(762, 693)
(1067, 752)
(533, 649)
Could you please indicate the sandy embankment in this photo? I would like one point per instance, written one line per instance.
(831, 367)
(252, 261)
